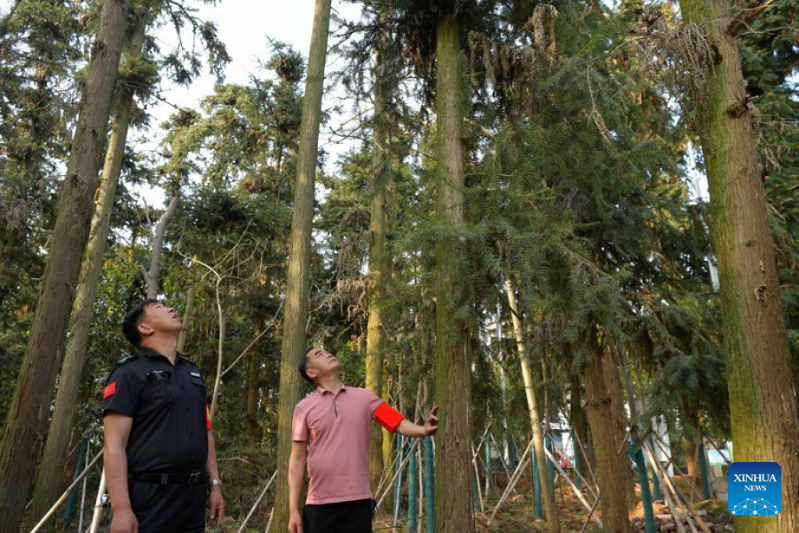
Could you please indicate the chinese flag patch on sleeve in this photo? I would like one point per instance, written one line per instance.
(110, 390)
(207, 417)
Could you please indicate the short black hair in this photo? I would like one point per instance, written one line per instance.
(303, 365)
(130, 325)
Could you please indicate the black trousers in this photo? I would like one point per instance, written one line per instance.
(163, 508)
(344, 517)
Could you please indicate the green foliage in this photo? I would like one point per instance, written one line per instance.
(577, 190)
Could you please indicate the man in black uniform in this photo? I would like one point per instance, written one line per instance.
(158, 440)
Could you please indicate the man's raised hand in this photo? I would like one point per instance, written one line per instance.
(431, 424)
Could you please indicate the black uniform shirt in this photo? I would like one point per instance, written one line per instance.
(169, 411)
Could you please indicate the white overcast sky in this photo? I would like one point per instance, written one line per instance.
(245, 26)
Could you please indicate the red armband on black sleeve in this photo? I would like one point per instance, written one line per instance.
(388, 417)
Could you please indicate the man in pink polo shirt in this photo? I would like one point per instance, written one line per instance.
(332, 427)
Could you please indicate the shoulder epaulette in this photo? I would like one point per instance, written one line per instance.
(127, 359)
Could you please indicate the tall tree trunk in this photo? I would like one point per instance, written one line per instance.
(153, 275)
(388, 438)
(547, 495)
(763, 406)
(454, 511)
(690, 448)
(611, 372)
(255, 360)
(378, 260)
(222, 314)
(187, 319)
(253, 378)
(298, 281)
(27, 417)
(49, 480)
(579, 425)
(612, 467)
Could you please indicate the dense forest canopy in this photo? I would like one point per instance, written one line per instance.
(572, 224)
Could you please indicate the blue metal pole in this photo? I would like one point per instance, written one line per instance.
(637, 455)
(412, 481)
(538, 507)
(429, 484)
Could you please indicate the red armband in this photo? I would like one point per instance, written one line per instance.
(207, 417)
(388, 417)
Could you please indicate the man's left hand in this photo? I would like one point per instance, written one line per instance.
(217, 505)
(431, 424)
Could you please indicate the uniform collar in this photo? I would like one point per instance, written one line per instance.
(149, 352)
(322, 391)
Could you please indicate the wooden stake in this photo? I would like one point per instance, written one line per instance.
(257, 502)
(572, 485)
(64, 496)
(517, 474)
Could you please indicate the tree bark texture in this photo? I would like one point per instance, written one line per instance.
(298, 282)
(378, 261)
(49, 482)
(547, 495)
(253, 379)
(763, 406)
(187, 319)
(580, 426)
(453, 483)
(619, 424)
(220, 351)
(690, 448)
(27, 417)
(612, 466)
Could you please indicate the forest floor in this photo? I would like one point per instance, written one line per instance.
(514, 516)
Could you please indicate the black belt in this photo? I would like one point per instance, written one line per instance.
(168, 479)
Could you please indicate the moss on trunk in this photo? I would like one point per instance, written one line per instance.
(762, 399)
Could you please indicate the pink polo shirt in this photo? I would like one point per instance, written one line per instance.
(336, 428)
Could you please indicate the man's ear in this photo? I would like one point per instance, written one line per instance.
(145, 329)
(311, 373)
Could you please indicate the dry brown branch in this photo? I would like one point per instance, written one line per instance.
(747, 15)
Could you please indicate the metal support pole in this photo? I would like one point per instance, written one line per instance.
(429, 484)
(398, 482)
(637, 455)
(538, 509)
(412, 497)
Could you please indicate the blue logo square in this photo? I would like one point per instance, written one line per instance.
(754, 489)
